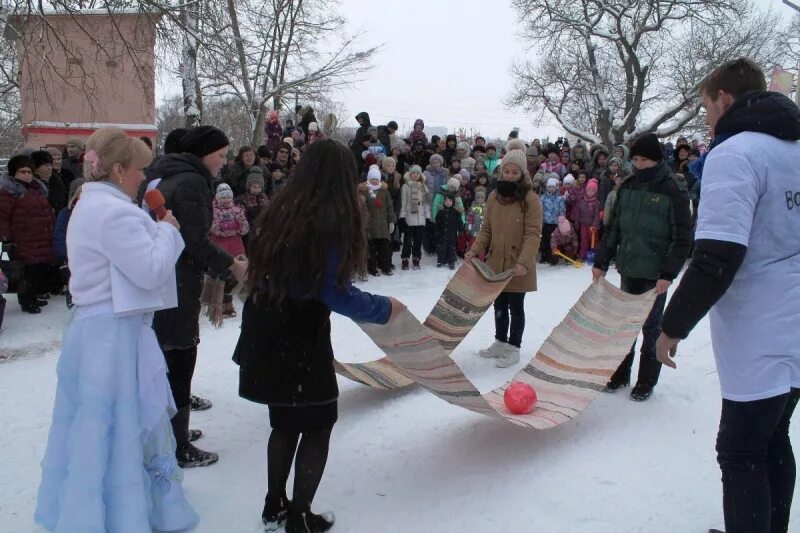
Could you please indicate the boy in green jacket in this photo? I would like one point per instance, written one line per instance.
(649, 237)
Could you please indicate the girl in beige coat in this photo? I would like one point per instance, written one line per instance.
(511, 231)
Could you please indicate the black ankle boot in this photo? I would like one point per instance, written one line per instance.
(186, 453)
(649, 371)
(276, 510)
(622, 376)
(308, 522)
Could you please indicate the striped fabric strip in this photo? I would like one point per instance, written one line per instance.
(568, 372)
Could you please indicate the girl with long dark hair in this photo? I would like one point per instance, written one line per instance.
(297, 277)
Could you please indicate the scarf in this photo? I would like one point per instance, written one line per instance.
(417, 195)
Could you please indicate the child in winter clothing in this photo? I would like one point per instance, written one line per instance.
(450, 225)
(394, 181)
(415, 212)
(465, 191)
(588, 219)
(564, 240)
(474, 222)
(451, 188)
(228, 225)
(609, 178)
(254, 201)
(611, 200)
(278, 174)
(511, 231)
(553, 207)
(381, 222)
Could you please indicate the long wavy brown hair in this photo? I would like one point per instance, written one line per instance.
(315, 215)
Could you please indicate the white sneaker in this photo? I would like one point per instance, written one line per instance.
(497, 349)
(510, 357)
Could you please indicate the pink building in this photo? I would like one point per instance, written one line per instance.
(84, 70)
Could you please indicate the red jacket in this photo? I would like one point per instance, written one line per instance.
(26, 219)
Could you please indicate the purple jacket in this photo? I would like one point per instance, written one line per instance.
(273, 134)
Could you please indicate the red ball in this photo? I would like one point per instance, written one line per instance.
(520, 398)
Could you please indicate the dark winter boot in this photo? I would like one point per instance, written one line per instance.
(195, 434)
(186, 453)
(199, 404)
(622, 376)
(405, 264)
(649, 371)
(275, 512)
(415, 262)
(308, 522)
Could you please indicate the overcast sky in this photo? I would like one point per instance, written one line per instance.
(446, 61)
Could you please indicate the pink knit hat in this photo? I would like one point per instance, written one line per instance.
(592, 185)
(564, 225)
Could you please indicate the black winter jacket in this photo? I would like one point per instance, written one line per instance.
(186, 186)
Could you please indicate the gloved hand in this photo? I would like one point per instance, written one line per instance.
(391, 227)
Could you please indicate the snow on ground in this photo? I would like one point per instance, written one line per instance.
(407, 461)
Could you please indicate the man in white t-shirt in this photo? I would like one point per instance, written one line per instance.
(746, 272)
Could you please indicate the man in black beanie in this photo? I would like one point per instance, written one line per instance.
(186, 183)
(153, 171)
(649, 236)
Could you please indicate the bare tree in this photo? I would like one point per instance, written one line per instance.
(274, 48)
(616, 68)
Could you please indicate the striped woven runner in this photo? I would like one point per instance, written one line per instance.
(568, 371)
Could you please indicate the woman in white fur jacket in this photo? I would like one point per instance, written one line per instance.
(110, 462)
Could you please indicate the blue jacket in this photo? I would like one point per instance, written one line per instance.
(553, 206)
(60, 234)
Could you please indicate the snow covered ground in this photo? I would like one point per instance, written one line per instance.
(407, 461)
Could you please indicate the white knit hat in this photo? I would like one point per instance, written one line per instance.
(374, 173)
(454, 184)
(569, 179)
(552, 182)
(515, 144)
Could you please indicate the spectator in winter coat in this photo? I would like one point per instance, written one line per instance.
(449, 224)
(229, 226)
(58, 169)
(492, 159)
(649, 236)
(553, 207)
(186, 184)
(451, 188)
(455, 166)
(418, 133)
(451, 144)
(609, 178)
(73, 157)
(27, 223)
(393, 180)
(254, 202)
(588, 220)
(532, 157)
(278, 178)
(415, 213)
(364, 124)
(467, 161)
(681, 155)
(60, 236)
(553, 164)
(599, 162)
(237, 176)
(511, 232)
(564, 240)
(314, 134)
(381, 222)
(622, 152)
(466, 191)
(273, 132)
(57, 191)
(474, 221)
(580, 154)
(436, 176)
(611, 200)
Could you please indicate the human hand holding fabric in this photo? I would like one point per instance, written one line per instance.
(597, 274)
(662, 286)
(469, 256)
(520, 270)
(239, 268)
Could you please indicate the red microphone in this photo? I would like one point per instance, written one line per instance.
(155, 201)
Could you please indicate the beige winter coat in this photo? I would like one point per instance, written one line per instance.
(511, 235)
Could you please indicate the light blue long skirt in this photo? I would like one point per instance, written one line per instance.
(110, 463)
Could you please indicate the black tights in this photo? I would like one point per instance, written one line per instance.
(309, 464)
(757, 462)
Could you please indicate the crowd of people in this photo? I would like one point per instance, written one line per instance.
(83, 218)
